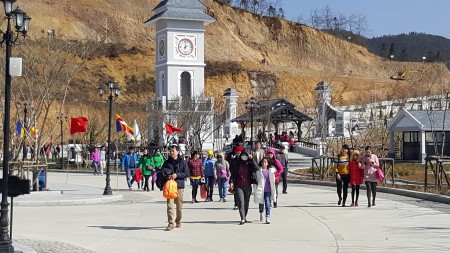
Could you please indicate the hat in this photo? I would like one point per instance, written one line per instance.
(239, 149)
(210, 152)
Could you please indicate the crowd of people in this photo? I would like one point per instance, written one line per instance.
(242, 174)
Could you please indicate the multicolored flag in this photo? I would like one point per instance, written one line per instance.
(122, 126)
(20, 131)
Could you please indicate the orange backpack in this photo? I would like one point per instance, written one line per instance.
(170, 190)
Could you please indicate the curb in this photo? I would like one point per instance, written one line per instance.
(69, 202)
(407, 193)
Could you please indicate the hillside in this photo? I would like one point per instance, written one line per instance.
(412, 47)
(298, 56)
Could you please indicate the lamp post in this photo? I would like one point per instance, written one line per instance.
(392, 57)
(21, 23)
(423, 59)
(61, 120)
(250, 106)
(113, 91)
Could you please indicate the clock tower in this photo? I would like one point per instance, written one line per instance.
(180, 46)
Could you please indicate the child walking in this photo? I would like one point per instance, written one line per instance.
(265, 190)
(356, 175)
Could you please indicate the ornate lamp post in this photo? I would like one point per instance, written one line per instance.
(21, 23)
(61, 118)
(113, 91)
(250, 106)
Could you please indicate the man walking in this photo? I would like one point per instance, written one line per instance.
(180, 173)
(129, 163)
(259, 153)
(284, 160)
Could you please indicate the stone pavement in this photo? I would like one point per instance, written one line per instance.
(307, 220)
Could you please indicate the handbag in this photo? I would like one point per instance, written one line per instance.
(203, 192)
(380, 174)
(231, 190)
(170, 190)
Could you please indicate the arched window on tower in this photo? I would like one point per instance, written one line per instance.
(185, 84)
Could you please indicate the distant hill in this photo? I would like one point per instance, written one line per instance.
(411, 47)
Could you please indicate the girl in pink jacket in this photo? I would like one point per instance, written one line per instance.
(370, 164)
(273, 161)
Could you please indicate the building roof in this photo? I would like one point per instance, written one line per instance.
(180, 9)
(230, 92)
(276, 110)
(420, 120)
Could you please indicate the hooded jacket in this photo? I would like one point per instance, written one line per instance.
(275, 162)
(180, 168)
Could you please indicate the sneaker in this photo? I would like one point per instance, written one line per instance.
(353, 204)
(193, 201)
(178, 225)
(206, 200)
(242, 222)
(221, 199)
(275, 204)
(267, 220)
(246, 221)
(356, 203)
(196, 201)
(260, 217)
(224, 200)
(131, 188)
(235, 208)
(284, 192)
(169, 227)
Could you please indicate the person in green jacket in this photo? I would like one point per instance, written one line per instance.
(156, 162)
(144, 163)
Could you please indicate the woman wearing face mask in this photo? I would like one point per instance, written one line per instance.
(241, 182)
(371, 164)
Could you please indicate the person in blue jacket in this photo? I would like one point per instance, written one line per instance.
(208, 165)
(129, 163)
(179, 174)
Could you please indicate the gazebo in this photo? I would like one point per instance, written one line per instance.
(422, 133)
(275, 111)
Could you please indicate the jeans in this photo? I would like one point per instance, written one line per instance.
(96, 166)
(343, 184)
(284, 178)
(223, 185)
(130, 177)
(267, 202)
(243, 199)
(178, 201)
(209, 186)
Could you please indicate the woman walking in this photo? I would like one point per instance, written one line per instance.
(370, 164)
(342, 173)
(356, 175)
(144, 164)
(265, 189)
(156, 162)
(222, 175)
(195, 174)
(241, 182)
(273, 161)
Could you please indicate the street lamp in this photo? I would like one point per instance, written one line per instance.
(113, 91)
(423, 59)
(250, 106)
(392, 57)
(61, 119)
(21, 23)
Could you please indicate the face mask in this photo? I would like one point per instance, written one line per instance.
(244, 158)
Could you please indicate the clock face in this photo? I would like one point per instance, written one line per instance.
(162, 47)
(185, 46)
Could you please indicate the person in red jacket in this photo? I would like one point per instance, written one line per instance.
(138, 177)
(356, 175)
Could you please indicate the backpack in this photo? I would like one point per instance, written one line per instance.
(162, 176)
(170, 190)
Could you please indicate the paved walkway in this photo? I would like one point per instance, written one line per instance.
(307, 220)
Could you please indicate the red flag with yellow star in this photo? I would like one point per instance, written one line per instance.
(78, 125)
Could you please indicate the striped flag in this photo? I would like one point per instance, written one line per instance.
(122, 126)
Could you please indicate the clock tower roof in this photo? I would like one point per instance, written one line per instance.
(180, 10)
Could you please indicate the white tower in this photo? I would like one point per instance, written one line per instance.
(180, 62)
(180, 44)
(231, 99)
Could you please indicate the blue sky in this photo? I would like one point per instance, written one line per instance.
(383, 16)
